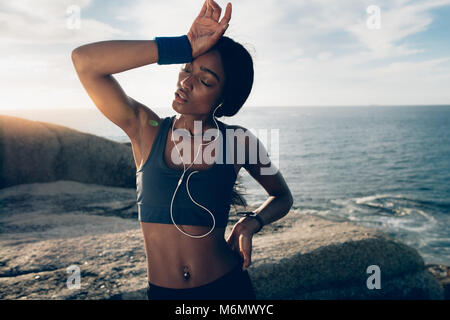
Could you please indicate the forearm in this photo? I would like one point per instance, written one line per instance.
(273, 209)
(114, 56)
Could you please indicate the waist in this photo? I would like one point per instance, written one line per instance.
(169, 253)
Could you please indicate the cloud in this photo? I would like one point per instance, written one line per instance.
(398, 21)
(345, 63)
(45, 22)
(36, 43)
(305, 52)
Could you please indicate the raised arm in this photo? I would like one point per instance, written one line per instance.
(96, 62)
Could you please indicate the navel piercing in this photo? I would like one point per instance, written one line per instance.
(186, 274)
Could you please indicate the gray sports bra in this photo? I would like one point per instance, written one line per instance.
(212, 188)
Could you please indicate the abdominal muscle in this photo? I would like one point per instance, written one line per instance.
(169, 252)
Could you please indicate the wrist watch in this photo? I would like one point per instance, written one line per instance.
(252, 214)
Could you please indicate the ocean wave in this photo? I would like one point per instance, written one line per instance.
(418, 222)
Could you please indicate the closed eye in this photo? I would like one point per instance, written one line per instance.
(186, 70)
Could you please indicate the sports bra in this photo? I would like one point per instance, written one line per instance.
(212, 188)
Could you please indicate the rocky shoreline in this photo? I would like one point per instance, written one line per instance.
(48, 227)
(68, 200)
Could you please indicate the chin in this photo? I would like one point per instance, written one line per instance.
(180, 108)
(176, 107)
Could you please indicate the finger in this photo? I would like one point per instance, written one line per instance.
(227, 17)
(217, 10)
(220, 31)
(230, 241)
(242, 254)
(209, 9)
(203, 10)
(231, 235)
(246, 259)
(246, 264)
(245, 247)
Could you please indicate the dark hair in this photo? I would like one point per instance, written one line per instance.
(237, 194)
(238, 68)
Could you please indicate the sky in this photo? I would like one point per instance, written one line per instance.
(305, 52)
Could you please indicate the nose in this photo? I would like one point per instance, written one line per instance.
(186, 83)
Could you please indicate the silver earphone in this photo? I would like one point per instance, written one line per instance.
(187, 182)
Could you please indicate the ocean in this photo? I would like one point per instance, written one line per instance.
(377, 166)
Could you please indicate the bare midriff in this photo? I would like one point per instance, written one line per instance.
(171, 253)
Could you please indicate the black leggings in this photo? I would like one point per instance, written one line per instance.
(234, 285)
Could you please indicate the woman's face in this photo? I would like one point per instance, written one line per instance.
(200, 82)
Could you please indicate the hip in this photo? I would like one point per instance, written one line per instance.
(233, 285)
(178, 272)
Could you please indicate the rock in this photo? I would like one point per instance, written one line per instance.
(313, 265)
(442, 274)
(412, 286)
(35, 151)
(48, 227)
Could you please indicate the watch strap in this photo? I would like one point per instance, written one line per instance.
(252, 214)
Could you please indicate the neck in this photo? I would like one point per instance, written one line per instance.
(187, 121)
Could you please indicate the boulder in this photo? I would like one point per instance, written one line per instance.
(320, 259)
(35, 151)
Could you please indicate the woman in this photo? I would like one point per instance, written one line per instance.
(187, 255)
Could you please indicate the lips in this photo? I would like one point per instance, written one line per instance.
(181, 95)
